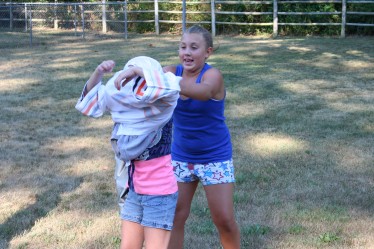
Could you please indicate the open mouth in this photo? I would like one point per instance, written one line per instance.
(188, 60)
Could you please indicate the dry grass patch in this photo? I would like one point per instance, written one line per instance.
(301, 115)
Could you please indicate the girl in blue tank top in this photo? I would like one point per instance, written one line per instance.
(201, 148)
(200, 132)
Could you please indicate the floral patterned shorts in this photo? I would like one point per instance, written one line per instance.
(207, 173)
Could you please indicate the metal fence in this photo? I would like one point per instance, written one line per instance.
(163, 15)
(80, 17)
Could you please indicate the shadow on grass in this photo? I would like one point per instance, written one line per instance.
(24, 219)
(302, 91)
(34, 116)
(312, 95)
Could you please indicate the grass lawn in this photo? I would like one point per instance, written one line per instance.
(301, 116)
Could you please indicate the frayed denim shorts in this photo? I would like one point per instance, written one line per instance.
(155, 211)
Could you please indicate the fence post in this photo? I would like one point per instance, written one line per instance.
(26, 17)
(104, 16)
(275, 18)
(75, 19)
(213, 13)
(125, 16)
(55, 21)
(344, 18)
(157, 21)
(11, 16)
(184, 15)
(30, 17)
(83, 34)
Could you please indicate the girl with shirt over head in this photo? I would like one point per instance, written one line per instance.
(141, 99)
(201, 148)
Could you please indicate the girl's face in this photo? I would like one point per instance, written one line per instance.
(193, 51)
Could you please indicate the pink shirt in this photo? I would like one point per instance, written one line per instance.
(155, 177)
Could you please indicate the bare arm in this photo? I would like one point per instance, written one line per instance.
(210, 87)
(171, 69)
(107, 67)
(97, 75)
(125, 76)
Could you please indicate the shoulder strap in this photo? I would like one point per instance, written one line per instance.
(179, 70)
(206, 67)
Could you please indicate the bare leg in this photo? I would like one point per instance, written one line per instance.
(186, 192)
(156, 238)
(132, 235)
(220, 201)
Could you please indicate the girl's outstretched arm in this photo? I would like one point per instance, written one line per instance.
(210, 87)
(97, 75)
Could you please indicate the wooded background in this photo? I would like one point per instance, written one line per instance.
(277, 17)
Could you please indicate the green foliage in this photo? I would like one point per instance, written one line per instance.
(205, 227)
(254, 230)
(360, 19)
(310, 18)
(116, 241)
(296, 229)
(328, 237)
(141, 17)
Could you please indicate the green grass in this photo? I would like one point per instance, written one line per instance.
(301, 116)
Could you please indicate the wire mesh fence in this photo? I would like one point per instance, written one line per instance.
(76, 19)
(80, 20)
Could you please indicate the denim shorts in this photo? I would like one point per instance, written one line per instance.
(155, 211)
(206, 173)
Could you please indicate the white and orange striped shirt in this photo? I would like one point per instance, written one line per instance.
(142, 105)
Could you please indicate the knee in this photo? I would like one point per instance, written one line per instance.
(225, 223)
(181, 214)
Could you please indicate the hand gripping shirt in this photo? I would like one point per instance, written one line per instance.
(142, 105)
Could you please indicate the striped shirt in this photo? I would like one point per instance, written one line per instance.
(141, 106)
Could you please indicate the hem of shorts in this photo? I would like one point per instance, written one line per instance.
(129, 218)
(181, 181)
(148, 224)
(217, 183)
(159, 226)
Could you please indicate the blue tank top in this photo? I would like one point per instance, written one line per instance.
(200, 134)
